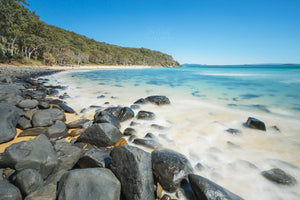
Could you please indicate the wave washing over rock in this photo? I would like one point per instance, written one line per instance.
(100, 131)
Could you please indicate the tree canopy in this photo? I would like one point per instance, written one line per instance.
(24, 36)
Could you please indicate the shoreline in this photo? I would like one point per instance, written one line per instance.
(77, 67)
(72, 117)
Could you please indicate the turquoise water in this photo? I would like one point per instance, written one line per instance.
(205, 102)
(263, 89)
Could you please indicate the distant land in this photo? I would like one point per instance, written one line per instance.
(25, 39)
(246, 65)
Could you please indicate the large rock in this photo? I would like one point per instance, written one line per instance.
(35, 154)
(34, 131)
(169, 168)
(141, 101)
(28, 180)
(24, 123)
(94, 157)
(115, 111)
(256, 124)
(125, 114)
(146, 115)
(9, 117)
(29, 104)
(57, 130)
(9, 191)
(68, 155)
(279, 176)
(47, 117)
(92, 184)
(158, 100)
(48, 190)
(101, 135)
(206, 189)
(132, 166)
(106, 117)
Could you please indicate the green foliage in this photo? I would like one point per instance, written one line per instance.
(49, 59)
(23, 35)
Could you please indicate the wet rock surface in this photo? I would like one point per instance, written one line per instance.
(94, 157)
(9, 117)
(94, 183)
(145, 115)
(101, 135)
(132, 166)
(206, 189)
(169, 168)
(35, 154)
(28, 180)
(256, 124)
(106, 117)
(279, 176)
(9, 191)
(47, 117)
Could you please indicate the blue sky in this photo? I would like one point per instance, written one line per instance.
(192, 31)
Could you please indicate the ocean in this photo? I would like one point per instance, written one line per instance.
(205, 102)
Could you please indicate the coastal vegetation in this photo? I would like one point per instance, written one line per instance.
(25, 38)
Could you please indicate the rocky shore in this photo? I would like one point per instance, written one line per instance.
(49, 157)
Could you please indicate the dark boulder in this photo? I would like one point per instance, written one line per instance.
(256, 124)
(106, 117)
(125, 114)
(148, 142)
(66, 108)
(47, 117)
(169, 168)
(115, 111)
(29, 104)
(94, 157)
(68, 155)
(34, 131)
(158, 100)
(279, 176)
(101, 135)
(146, 115)
(9, 191)
(206, 189)
(94, 183)
(24, 123)
(9, 117)
(28, 180)
(78, 123)
(35, 154)
(141, 101)
(48, 190)
(57, 130)
(129, 131)
(132, 166)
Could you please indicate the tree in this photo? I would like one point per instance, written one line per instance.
(49, 59)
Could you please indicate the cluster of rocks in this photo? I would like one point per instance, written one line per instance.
(99, 163)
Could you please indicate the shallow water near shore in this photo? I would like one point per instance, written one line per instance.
(205, 101)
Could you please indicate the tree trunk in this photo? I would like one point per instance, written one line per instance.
(12, 47)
